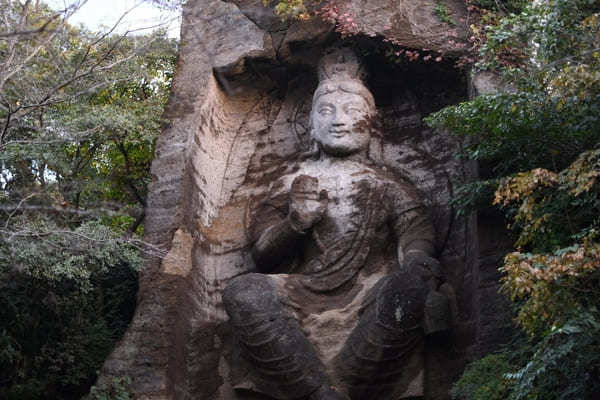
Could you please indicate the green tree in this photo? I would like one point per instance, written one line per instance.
(79, 113)
(540, 139)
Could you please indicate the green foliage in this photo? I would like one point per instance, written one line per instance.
(65, 297)
(556, 216)
(117, 390)
(552, 210)
(484, 379)
(565, 364)
(335, 12)
(549, 112)
(551, 287)
(525, 129)
(473, 196)
(443, 13)
(540, 138)
(79, 114)
(58, 255)
(512, 6)
(290, 8)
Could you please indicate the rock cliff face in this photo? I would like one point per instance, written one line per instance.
(238, 110)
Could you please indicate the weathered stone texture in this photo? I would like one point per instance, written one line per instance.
(413, 24)
(239, 108)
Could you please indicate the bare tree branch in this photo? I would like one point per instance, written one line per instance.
(6, 75)
(146, 248)
(12, 49)
(31, 31)
(15, 209)
(96, 212)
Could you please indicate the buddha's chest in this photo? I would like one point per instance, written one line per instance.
(354, 199)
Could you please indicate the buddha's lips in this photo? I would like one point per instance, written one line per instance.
(339, 134)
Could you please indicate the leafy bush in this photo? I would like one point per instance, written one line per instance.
(119, 389)
(484, 379)
(564, 365)
(513, 6)
(540, 136)
(64, 301)
(443, 13)
(80, 112)
(290, 8)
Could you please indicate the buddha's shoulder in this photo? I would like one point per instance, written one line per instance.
(351, 171)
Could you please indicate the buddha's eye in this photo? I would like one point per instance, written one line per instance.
(353, 109)
(326, 110)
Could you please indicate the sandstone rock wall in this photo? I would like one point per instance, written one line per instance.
(238, 110)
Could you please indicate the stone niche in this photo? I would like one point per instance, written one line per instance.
(238, 111)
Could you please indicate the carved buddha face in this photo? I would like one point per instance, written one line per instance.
(340, 118)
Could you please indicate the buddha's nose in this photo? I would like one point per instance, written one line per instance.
(341, 120)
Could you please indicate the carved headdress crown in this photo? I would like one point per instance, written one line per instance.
(340, 70)
(340, 64)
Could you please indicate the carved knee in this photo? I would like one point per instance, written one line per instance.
(400, 302)
(250, 298)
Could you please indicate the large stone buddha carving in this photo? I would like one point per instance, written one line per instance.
(347, 285)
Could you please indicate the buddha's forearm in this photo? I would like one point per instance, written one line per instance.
(424, 245)
(417, 234)
(274, 245)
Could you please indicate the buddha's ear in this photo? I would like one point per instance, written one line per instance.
(375, 152)
(313, 147)
(311, 132)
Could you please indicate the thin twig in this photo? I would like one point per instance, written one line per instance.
(31, 31)
(23, 200)
(144, 247)
(98, 212)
